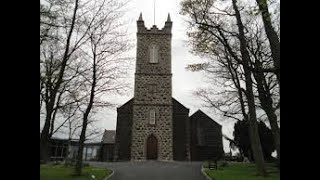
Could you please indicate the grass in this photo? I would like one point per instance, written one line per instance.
(242, 171)
(61, 172)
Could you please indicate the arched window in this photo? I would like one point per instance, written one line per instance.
(152, 117)
(153, 53)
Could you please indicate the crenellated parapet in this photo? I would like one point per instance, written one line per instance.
(142, 29)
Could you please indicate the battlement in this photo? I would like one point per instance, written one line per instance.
(142, 29)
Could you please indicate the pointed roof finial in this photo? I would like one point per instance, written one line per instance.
(168, 19)
(140, 17)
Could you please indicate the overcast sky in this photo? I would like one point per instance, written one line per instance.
(184, 82)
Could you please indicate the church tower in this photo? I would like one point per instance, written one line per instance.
(152, 134)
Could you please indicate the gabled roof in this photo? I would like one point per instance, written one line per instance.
(129, 101)
(108, 137)
(199, 112)
(174, 100)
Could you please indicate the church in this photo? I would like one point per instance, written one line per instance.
(153, 125)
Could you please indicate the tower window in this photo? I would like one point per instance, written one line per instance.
(152, 119)
(153, 53)
(152, 88)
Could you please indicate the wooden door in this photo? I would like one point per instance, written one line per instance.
(152, 147)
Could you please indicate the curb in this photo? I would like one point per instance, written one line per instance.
(106, 178)
(204, 173)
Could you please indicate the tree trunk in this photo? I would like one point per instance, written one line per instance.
(78, 167)
(253, 128)
(275, 131)
(271, 35)
(44, 139)
(267, 106)
(236, 81)
(51, 99)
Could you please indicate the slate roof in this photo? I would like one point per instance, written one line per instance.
(108, 137)
(173, 101)
(199, 113)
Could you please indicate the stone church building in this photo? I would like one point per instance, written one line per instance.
(153, 124)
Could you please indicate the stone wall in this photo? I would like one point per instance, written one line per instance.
(153, 90)
(107, 152)
(162, 130)
(123, 132)
(163, 41)
(180, 133)
(206, 137)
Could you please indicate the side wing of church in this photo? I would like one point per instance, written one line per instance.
(206, 137)
(154, 125)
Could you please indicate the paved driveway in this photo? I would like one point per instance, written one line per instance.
(154, 170)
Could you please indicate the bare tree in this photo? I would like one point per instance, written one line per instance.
(224, 72)
(230, 33)
(61, 69)
(48, 20)
(253, 128)
(266, 85)
(106, 63)
(53, 85)
(271, 34)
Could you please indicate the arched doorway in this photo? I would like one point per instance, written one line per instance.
(152, 147)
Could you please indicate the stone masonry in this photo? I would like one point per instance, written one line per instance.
(153, 91)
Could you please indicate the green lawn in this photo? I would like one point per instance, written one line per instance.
(242, 171)
(60, 172)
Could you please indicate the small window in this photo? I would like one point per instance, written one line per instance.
(153, 53)
(152, 88)
(152, 119)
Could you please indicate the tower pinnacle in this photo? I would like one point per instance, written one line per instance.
(168, 19)
(140, 17)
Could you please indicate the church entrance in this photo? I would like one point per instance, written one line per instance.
(152, 147)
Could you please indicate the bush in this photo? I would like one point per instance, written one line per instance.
(85, 164)
(72, 162)
(224, 164)
(278, 165)
(69, 163)
(206, 164)
(239, 159)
